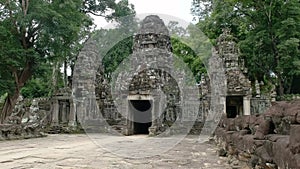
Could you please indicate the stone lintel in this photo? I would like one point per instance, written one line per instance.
(140, 97)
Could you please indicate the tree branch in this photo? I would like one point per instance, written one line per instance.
(93, 13)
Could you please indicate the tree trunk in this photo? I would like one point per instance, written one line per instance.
(280, 86)
(289, 85)
(54, 78)
(65, 73)
(9, 105)
(20, 78)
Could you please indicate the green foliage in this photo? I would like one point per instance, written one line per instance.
(117, 54)
(101, 7)
(116, 44)
(190, 45)
(2, 98)
(38, 33)
(268, 33)
(38, 85)
(35, 88)
(35, 33)
(189, 57)
(288, 97)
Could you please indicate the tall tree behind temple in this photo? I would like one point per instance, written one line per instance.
(33, 33)
(268, 33)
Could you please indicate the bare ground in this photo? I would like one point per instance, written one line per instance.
(81, 152)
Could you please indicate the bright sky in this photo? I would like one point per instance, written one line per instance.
(176, 8)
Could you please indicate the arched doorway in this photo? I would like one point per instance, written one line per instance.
(142, 115)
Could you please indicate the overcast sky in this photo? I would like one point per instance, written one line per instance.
(177, 8)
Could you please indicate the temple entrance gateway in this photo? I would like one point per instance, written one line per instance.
(141, 111)
(140, 114)
(234, 106)
(151, 74)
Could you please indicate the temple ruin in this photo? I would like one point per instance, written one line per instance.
(238, 92)
(153, 89)
(150, 97)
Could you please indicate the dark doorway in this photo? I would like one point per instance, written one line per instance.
(231, 111)
(234, 106)
(142, 116)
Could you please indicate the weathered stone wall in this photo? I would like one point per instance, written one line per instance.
(269, 140)
(259, 105)
(86, 111)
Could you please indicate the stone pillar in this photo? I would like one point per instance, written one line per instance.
(246, 105)
(55, 113)
(155, 117)
(64, 113)
(129, 120)
(72, 114)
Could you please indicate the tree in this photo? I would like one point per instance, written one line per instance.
(266, 31)
(33, 33)
(189, 57)
(190, 45)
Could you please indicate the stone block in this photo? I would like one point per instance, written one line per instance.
(298, 118)
(283, 157)
(259, 143)
(268, 146)
(228, 136)
(246, 121)
(230, 125)
(297, 158)
(275, 137)
(263, 129)
(254, 161)
(263, 154)
(244, 132)
(238, 123)
(294, 139)
(249, 144)
(254, 122)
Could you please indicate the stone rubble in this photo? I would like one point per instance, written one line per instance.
(270, 140)
(23, 122)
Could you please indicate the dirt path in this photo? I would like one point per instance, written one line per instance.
(80, 151)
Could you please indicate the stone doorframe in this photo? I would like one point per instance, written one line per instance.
(154, 113)
(246, 105)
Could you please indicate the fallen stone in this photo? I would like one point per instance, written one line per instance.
(263, 129)
(298, 118)
(263, 154)
(244, 157)
(295, 139)
(244, 132)
(254, 161)
(283, 157)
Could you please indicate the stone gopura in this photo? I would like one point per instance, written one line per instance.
(150, 81)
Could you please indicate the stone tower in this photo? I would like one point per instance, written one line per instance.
(238, 92)
(149, 80)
